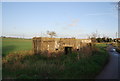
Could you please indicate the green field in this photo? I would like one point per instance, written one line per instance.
(10, 45)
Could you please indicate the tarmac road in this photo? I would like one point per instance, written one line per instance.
(112, 69)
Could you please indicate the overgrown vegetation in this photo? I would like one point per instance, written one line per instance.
(118, 48)
(26, 65)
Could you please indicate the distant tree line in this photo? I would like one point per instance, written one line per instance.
(95, 37)
(104, 39)
(3, 36)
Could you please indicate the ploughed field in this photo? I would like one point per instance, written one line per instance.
(20, 63)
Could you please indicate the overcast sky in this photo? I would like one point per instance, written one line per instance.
(67, 19)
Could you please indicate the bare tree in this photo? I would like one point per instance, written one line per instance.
(93, 36)
(51, 33)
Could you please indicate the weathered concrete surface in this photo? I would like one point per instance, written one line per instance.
(112, 69)
(41, 44)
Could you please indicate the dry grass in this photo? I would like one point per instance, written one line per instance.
(16, 56)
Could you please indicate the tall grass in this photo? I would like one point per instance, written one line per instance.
(26, 65)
